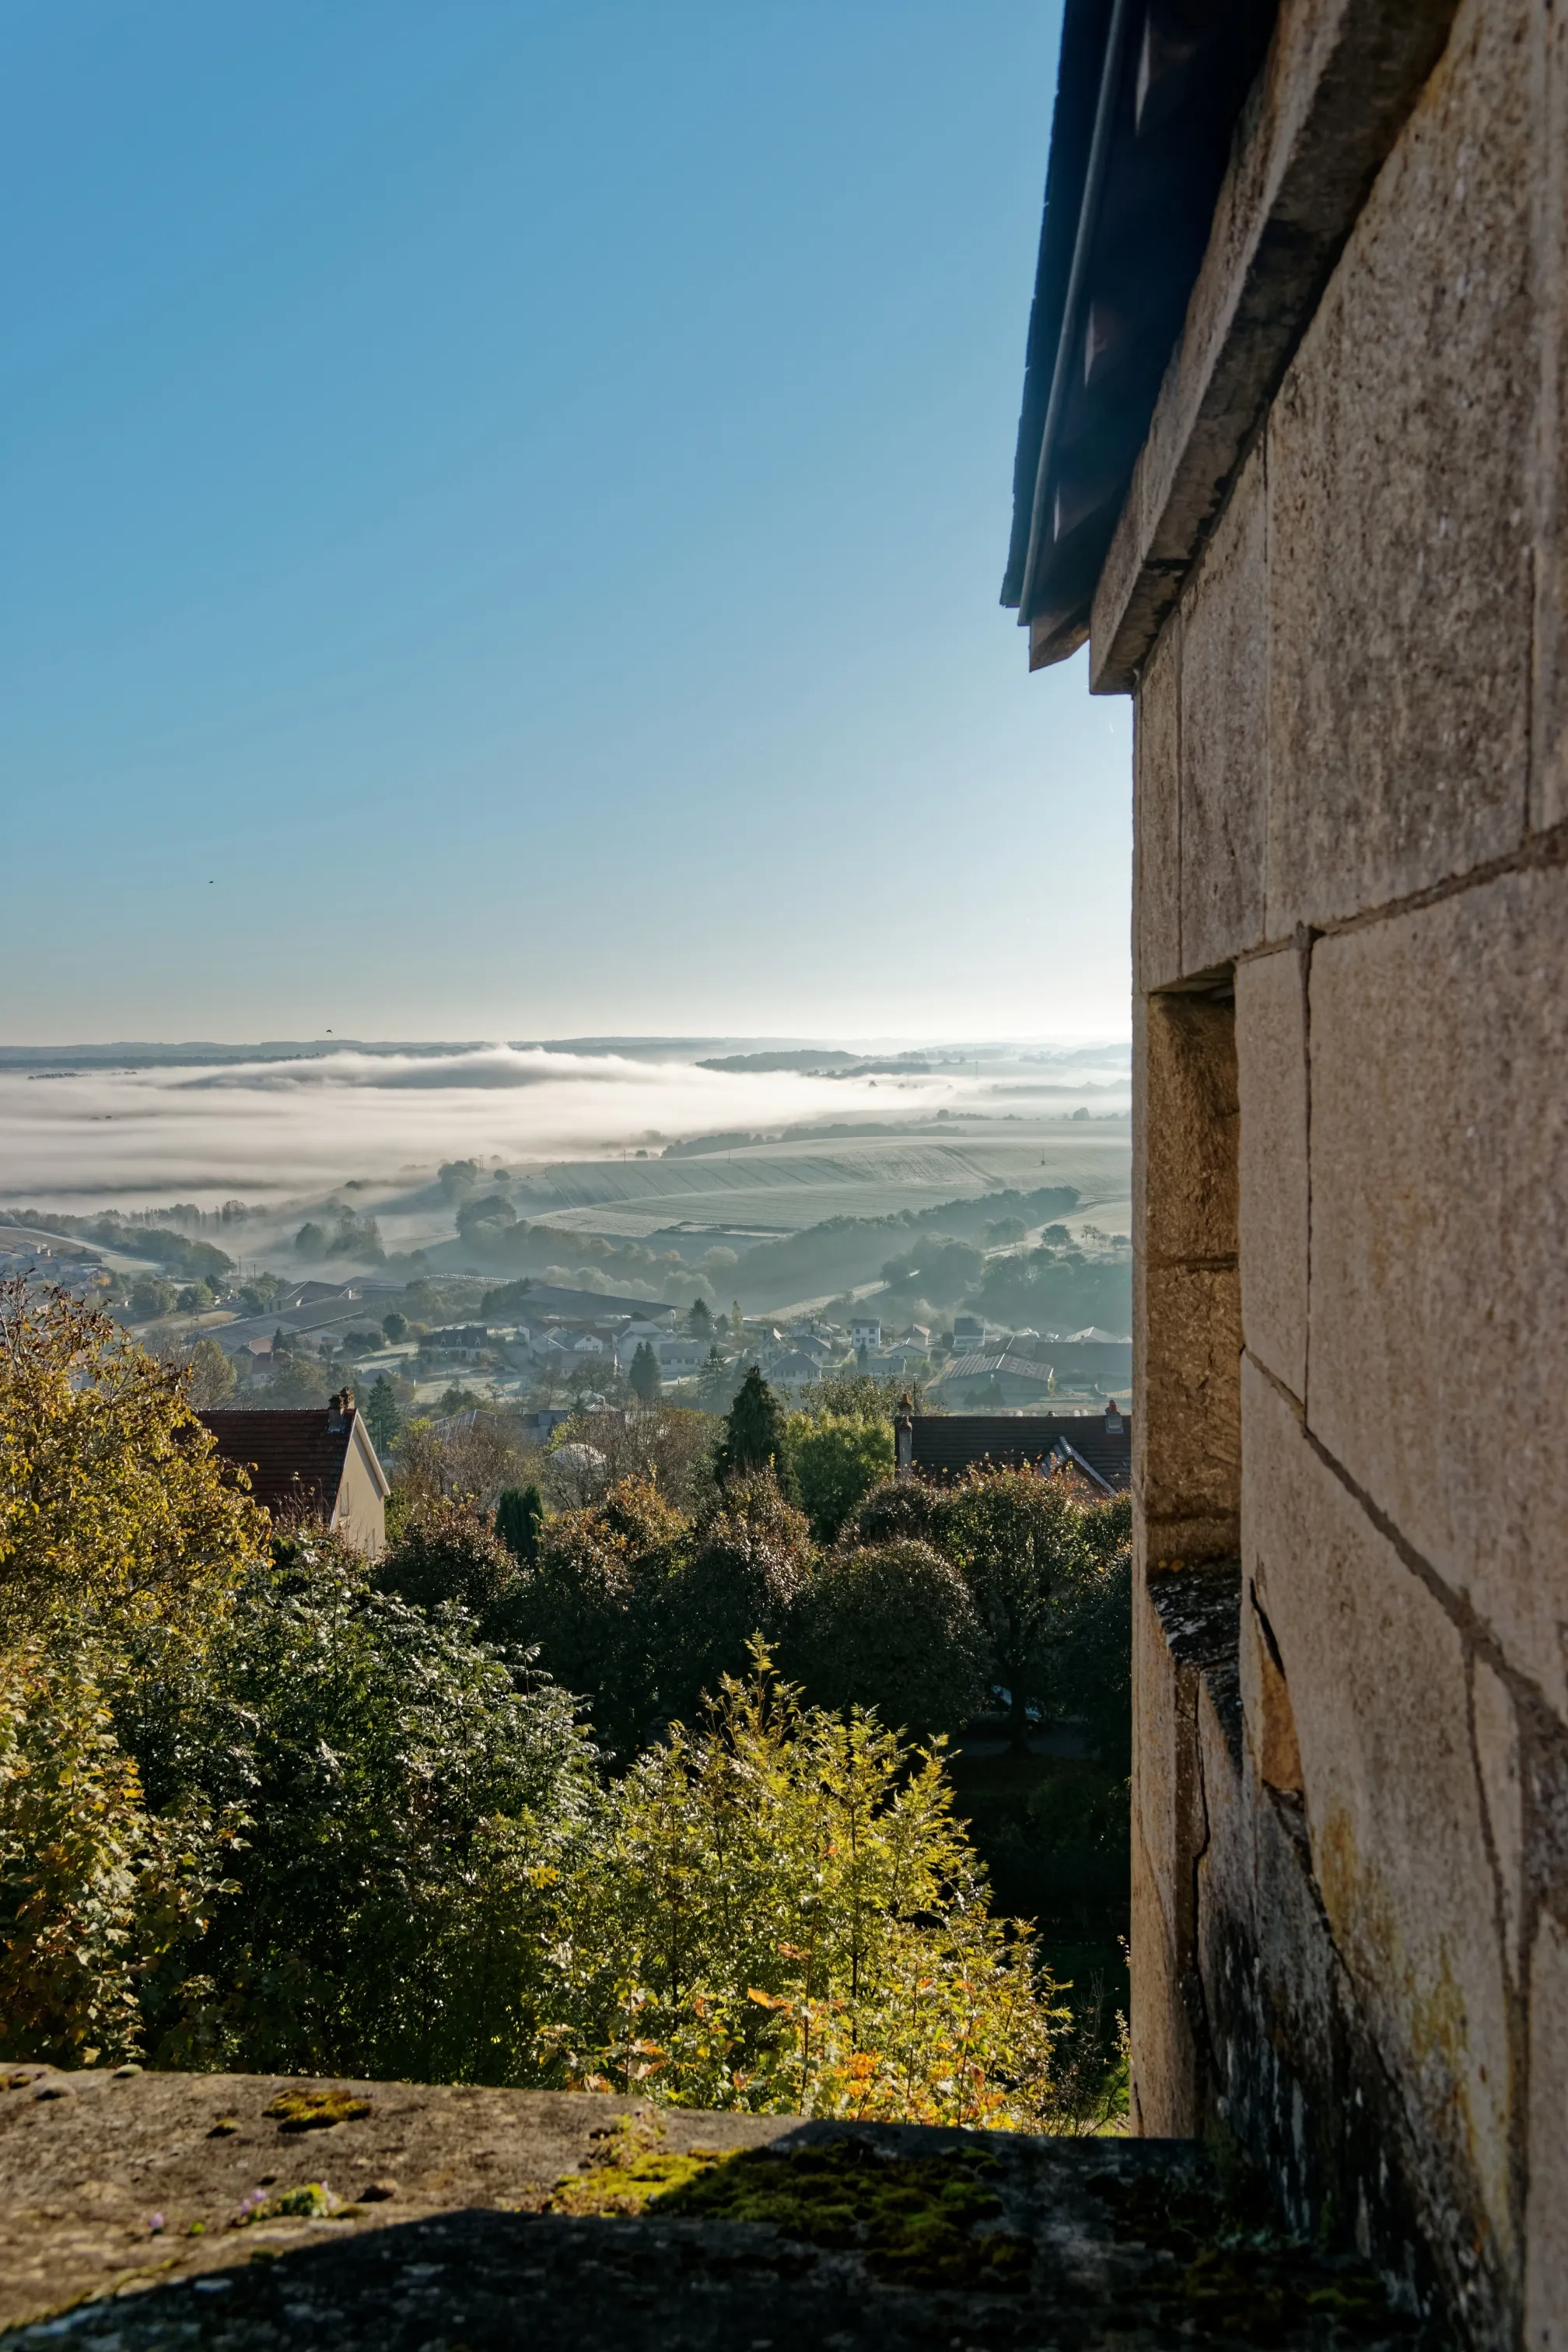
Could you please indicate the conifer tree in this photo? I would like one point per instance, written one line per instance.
(644, 1374)
(520, 1514)
(754, 1437)
(382, 1417)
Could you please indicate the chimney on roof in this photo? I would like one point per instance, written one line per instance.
(1114, 1424)
(340, 1409)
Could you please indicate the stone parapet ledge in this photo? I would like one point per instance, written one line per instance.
(252, 2212)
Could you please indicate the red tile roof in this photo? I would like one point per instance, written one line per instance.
(295, 1457)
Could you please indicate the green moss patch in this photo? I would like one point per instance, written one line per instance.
(912, 2218)
(301, 2111)
(312, 2201)
(628, 2165)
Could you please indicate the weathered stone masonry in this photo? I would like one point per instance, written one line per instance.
(1335, 582)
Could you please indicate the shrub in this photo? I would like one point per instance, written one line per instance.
(596, 1604)
(782, 1915)
(94, 1890)
(445, 1551)
(409, 1798)
(891, 1628)
(904, 1510)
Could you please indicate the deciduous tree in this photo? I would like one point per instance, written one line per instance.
(1018, 1538)
(836, 1459)
(891, 1627)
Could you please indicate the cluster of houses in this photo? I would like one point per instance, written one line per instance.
(570, 1334)
(27, 1258)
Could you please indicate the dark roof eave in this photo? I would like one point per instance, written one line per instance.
(1147, 104)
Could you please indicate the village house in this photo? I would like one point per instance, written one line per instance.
(1293, 464)
(316, 1465)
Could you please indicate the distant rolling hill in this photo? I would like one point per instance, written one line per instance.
(788, 1185)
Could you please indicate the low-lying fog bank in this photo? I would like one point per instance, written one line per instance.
(280, 1127)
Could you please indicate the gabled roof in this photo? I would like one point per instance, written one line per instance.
(947, 1444)
(295, 1457)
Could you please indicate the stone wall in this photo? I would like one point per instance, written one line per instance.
(1350, 947)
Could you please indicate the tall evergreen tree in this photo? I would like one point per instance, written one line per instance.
(698, 1322)
(382, 1417)
(644, 1374)
(754, 1437)
(520, 1514)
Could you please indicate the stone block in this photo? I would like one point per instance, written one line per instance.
(1272, 1214)
(1225, 754)
(1398, 467)
(1189, 1468)
(1189, 1130)
(1157, 816)
(1439, 1177)
(1393, 1815)
(1546, 2213)
(1184, 1301)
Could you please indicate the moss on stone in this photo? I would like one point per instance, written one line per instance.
(298, 2111)
(912, 2218)
(628, 2165)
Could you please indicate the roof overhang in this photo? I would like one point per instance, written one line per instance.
(1148, 97)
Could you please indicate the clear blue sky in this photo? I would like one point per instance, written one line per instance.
(503, 509)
